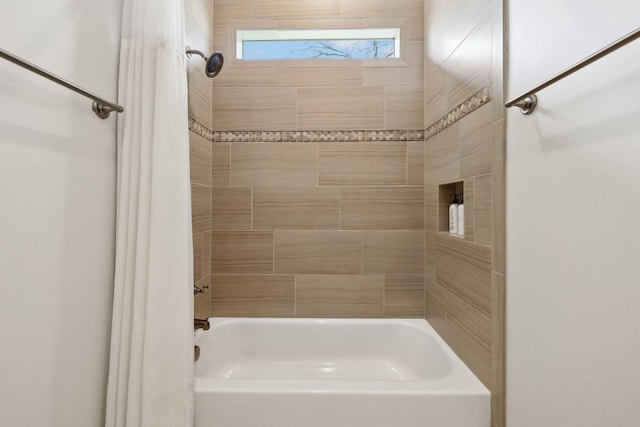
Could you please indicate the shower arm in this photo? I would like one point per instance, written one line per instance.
(196, 52)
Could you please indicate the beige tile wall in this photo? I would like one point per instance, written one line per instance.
(464, 277)
(319, 94)
(199, 35)
(318, 229)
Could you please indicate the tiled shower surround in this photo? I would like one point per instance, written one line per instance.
(316, 187)
(323, 228)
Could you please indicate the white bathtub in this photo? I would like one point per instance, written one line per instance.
(333, 373)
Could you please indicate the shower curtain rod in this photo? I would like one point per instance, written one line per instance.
(527, 101)
(101, 107)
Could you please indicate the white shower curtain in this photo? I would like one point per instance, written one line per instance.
(151, 365)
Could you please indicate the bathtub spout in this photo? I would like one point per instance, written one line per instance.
(201, 324)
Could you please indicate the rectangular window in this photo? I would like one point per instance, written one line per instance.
(366, 43)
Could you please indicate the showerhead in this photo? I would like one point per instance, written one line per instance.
(213, 63)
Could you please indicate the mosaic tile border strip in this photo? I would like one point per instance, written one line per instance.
(318, 136)
(467, 107)
(200, 129)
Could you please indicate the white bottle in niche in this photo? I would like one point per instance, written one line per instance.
(461, 217)
(453, 215)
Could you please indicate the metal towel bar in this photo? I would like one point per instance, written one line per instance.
(101, 107)
(527, 101)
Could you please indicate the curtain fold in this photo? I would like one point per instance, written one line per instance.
(151, 364)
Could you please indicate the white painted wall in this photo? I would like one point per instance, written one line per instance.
(573, 204)
(57, 195)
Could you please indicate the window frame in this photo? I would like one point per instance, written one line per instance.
(243, 35)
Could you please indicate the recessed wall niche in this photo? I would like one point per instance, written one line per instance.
(446, 194)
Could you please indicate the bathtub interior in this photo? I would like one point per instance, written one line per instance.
(342, 349)
(320, 349)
